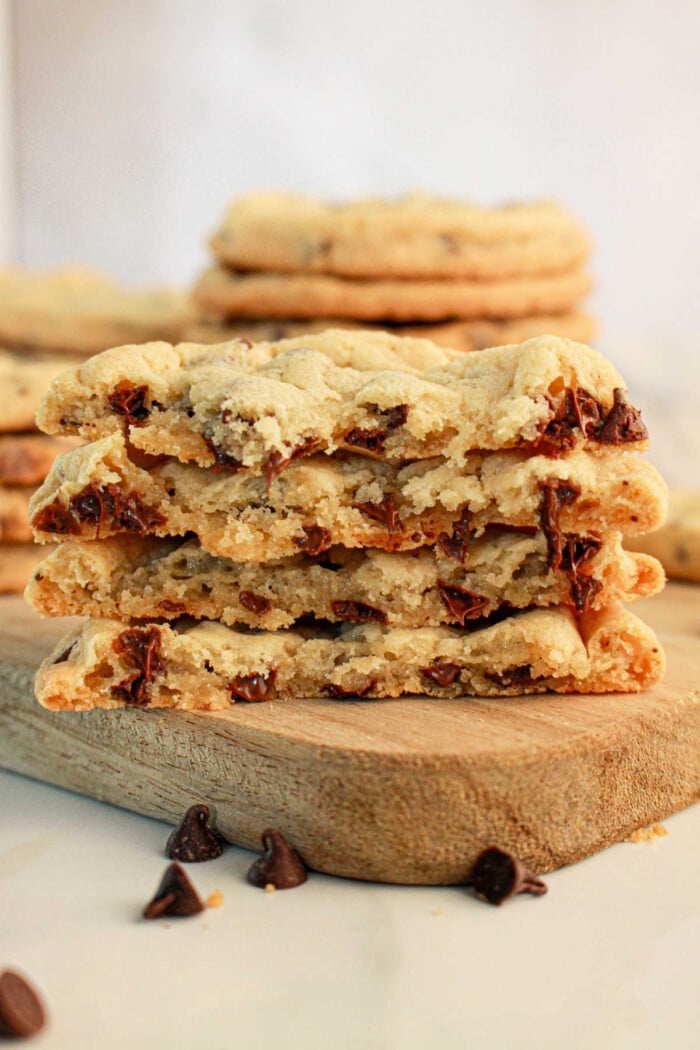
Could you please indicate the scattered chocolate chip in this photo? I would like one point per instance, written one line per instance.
(623, 422)
(337, 692)
(223, 462)
(130, 401)
(175, 895)
(315, 540)
(462, 603)
(385, 512)
(441, 674)
(255, 603)
(357, 612)
(193, 840)
(514, 676)
(457, 545)
(139, 647)
(555, 495)
(279, 866)
(22, 1014)
(175, 607)
(277, 462)
(253, 688)
(498, 875)
(371, 440)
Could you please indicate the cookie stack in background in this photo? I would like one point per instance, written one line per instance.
(463, 276)
(350, 514)
(49, 322)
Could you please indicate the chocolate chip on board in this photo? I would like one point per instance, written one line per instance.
(22, 1014)
(175, 895)
(279, 866)
(498, 875)
(193, 841)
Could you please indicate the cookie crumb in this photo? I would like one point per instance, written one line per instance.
(654, 831)
(215, 899)
(270, 887)
(438, 911)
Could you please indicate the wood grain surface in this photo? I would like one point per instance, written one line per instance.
(402, 790)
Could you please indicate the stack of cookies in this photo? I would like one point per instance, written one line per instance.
(351, 514)
(48, 322)
(463, 276)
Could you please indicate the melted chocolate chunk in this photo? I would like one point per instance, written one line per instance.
(277, 462)
(371, 440)
(139, 647)
(93, 505)
(583, 590)
(555, 495)
(441, 674)
(65, 654)
(223, 462)
(315, 540)
(337, 692)
(514, 676)
(623, 422)
(577, 552)
(461, 603)
(57, 520)
(498, 875)
(193, 841)
(175, 895)
(357, 612)
(130, 402)
(457, 545)
(395, 417)
(21, 1011)
(385, 512)
(577, 409)
(279, 866)
(255, 603)
(253, 688)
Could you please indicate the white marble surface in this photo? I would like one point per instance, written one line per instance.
(609, 958)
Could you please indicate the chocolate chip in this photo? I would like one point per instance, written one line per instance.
(175, 607)
(95, 504)
(193, 840)
(357, 612)
(512, 678)
(498, 875)
(337, 692)
(385, 512)
(555, 495)
(255, 603)
(457, 545)
(371, 440)
(623, 422)
(139, 647)
(22, 1014)
(315, 540)
(441, 674)
(175, 895)
(57, 520)
(65, 654)
(279, 866)
(277, 462)
(130, 401)
(462, 603)
(395, 417)
(253, 688)
(577, 552)
(576, 409)
(223, 462)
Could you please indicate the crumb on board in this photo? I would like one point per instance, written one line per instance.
(270, 887)
(215, 899)
(438, 911)
(654, 831)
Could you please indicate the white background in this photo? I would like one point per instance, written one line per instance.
(137, 120)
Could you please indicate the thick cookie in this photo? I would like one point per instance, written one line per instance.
(14, 513)
(83, 312)
(416, 236)
(125, 578)
(233, 294)
(677, 543)
(17, 563)
(96, 491)
(26, 459)
(108, 663)
(460, 335)
(23, 382)
(235, 405)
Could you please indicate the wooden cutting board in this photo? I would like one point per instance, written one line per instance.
(396, 790)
